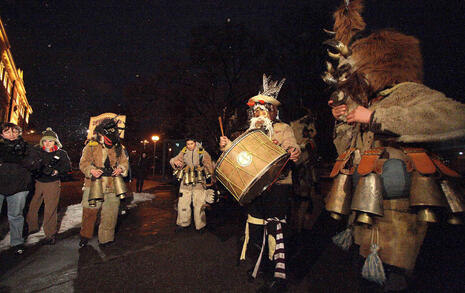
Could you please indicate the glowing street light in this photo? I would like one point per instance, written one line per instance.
(144, 142)
(155, 138)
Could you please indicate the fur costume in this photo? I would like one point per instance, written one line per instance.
(97, 155)
(382, 71)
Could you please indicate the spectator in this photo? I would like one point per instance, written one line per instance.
(48, 185)
(17, 160)
(141, 168)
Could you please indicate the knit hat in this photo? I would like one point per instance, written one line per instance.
(49, 134)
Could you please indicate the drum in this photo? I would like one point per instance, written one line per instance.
(250, 165)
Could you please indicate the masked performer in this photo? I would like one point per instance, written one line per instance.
(382, 107)
(103, 162)
(194, 161)
(271, 207)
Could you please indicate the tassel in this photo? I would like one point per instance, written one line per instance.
(373, 269)
(343, 239)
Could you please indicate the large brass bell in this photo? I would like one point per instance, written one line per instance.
(368, 198)
(120, 187)
(192, 176)
(200, 177)
(96, 191)
(339, 196)
(187, 175)
(425, 195)
(454, 197)
(207, 173)
(179, 174)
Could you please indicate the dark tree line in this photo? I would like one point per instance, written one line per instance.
(225, 68)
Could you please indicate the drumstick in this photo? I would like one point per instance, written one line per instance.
(221, 125)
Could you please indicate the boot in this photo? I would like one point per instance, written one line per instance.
(83, 241)
(276, 286)
(52, 240)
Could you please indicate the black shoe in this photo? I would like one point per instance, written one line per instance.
(51, 240)
(276, 286)
(106, 244)
(83, 242)
(19, 249)
(181, 229)
(32, 232)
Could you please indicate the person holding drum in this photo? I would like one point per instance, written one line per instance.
(195, 164)
(268, 210)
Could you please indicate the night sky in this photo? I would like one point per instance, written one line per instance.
(78, 56)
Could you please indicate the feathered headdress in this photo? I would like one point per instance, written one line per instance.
(270, 92)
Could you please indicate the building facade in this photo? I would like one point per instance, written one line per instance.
(14, 106)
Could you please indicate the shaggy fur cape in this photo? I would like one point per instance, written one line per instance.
(410, 113)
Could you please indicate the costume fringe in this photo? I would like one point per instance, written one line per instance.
(373, 269)
(344, 239)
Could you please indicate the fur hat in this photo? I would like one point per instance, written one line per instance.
(381, 58)
(49, 134)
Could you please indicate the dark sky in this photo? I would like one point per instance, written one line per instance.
(79, 55)
(74, 51)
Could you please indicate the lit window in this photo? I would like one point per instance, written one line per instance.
(5, 80)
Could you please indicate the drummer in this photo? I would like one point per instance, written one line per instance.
(270, 208)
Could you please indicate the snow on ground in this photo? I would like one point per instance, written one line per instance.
(72, 219)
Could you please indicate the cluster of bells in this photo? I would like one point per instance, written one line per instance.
(192, 175)
(96, 188)
(426, 196)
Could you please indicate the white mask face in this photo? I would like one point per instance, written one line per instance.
(263, 123)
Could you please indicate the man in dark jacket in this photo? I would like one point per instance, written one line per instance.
(47, 186)
(141, 169)
(17, 159)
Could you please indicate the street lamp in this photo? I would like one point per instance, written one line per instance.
(155, 138)
(144, 142)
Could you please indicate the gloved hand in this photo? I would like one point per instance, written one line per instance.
(210, 196)
(49, 168)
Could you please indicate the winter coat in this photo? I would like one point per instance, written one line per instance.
(62, 165)
(142, 167)
(17, 160)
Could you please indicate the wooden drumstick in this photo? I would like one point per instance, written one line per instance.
(221, 125)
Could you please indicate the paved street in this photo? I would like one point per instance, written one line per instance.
(149, 256)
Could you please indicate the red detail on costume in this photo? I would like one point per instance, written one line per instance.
(52, 149)
(251, 103)
(262, 102)
(312, 145)
(107, 140)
